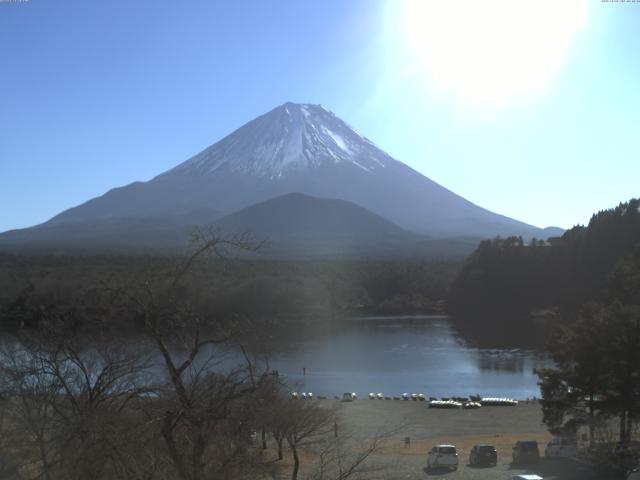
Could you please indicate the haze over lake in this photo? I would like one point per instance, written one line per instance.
(393, 355)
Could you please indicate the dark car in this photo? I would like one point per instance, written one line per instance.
(525, 451)
(483, 455)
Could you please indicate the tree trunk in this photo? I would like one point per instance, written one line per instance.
(279, 442)
(264, 439)
(296, 463)
(623, 426)
(43, 456)
(199, 447)
(174, 452)
(591, 420)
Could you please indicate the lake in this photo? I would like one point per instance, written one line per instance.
(392, 355)
(421, 354)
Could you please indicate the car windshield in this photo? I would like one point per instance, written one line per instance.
(486, 448)
(447, 449)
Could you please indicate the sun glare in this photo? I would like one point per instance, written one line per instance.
(491, 51)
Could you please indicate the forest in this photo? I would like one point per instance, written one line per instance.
(316, 294)
(539, 280)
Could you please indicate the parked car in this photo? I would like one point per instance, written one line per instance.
(347, 397)
(634, 474)
(526, 477)
(561, 447)
(483, 455)
(525, 451)
(442, 456)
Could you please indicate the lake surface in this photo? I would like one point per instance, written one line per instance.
(393, 355)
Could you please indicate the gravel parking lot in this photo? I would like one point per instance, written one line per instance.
(499, 426)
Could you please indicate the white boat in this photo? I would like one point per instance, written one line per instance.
(444, 404)
(498, 402)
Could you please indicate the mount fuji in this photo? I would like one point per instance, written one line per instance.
(294, 148)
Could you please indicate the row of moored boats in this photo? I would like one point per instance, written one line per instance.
(453, 402)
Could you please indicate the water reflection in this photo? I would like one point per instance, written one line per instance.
(409, 354)
(501, 362)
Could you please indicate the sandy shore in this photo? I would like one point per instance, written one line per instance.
(498, 426)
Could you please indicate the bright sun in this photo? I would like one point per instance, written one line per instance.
(490, 51)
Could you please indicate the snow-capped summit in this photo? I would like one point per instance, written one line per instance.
(290, 138)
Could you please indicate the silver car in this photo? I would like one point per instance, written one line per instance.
(444, 456)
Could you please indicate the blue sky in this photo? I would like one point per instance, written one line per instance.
(95, 95)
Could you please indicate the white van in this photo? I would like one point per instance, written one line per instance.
(561, 447)
(442, 456)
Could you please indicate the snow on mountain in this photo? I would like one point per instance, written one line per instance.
(291, 138)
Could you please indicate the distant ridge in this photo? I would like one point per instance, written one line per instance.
(296, 215)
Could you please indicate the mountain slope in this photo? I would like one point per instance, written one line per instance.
(133, 234)
(300, 148)
(293, 148)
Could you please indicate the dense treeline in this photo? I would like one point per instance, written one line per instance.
(316, 294)
(508, 276)
(595, 381)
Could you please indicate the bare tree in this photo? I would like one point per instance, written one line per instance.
(209, 372)
(67, 403)
(312, 427)
(27, 399)
(342, 457)
(306, 424)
